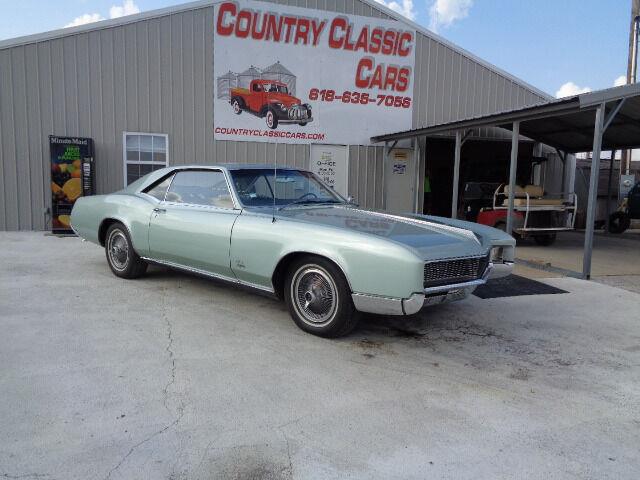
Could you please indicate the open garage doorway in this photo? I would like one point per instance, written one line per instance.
(484, 162)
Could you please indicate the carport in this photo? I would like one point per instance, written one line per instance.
(602, 120)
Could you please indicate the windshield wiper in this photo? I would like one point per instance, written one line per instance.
(305, 201)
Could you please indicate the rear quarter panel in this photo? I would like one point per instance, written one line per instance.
(372, 265)
(132, 210)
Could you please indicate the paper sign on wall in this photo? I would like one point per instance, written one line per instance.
(331, 164)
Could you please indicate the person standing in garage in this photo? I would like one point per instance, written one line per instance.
(426, 206)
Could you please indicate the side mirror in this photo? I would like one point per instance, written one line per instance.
(351, 200)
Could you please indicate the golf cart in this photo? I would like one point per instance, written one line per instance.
(629, 209)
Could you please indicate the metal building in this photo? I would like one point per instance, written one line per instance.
(153, 73)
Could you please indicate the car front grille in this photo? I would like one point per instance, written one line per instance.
(298, 112)
(455, 270)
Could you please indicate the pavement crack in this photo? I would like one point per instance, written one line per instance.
(172, 360)
(142, 442)
(165, 397)
(25, 475)
(286, 439)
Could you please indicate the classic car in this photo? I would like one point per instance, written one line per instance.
(270, 99)
(284, 232)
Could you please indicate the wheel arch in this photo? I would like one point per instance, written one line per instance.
(104, 226)
(279, 273)
(239, 99)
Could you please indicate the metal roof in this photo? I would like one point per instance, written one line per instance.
(566, 124)
(199, 4)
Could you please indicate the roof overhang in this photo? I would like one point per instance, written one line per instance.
(566, 124)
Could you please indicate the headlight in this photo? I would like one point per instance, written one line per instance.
(497, 254)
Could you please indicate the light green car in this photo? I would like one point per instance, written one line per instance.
(286, 233)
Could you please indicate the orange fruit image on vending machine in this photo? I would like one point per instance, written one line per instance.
(65, 220)
(72, 188)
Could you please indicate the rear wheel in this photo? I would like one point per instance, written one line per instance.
(545, 240)
(122, 258)
(319, 298)
(619, 222)
(237, 107)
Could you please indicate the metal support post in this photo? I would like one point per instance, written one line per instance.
(418, 184)
(515, 135)
(609, 180)
(456, 175)
(593, 192)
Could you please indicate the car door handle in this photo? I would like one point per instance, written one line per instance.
(160, 210)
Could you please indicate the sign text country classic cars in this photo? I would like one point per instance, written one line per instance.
(293, 75)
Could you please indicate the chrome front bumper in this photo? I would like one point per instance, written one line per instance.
(429, 296)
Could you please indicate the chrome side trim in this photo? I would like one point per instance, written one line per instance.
(205, 273)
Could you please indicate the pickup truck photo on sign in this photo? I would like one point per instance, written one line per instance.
(285, 75)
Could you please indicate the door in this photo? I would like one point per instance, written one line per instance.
(331, 164)
(192, 226)
(399, 181)
(256, 97)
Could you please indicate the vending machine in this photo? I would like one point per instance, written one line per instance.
(72, 176)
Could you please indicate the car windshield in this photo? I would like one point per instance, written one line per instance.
(256, 187)
(274, 87)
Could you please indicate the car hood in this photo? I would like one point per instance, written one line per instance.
(427, 238)
(283, 98)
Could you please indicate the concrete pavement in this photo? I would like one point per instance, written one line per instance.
(177, 377)
(616, 258)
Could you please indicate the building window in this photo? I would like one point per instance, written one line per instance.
(144, 153)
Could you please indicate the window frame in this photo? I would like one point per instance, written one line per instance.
(126, 162)
(232, 193)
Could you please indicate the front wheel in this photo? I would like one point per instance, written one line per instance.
(302, 124)
(319, 298)
(271, 119)
(545, 240)
(619, 222)
(122, 258)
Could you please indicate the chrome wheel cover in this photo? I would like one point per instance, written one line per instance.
(269, 119)
(314, 295)
(236, 106)
(118, 250)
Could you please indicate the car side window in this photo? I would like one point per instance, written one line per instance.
(159, 190)
(199, 187)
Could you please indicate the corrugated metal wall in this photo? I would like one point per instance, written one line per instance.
(156, 75)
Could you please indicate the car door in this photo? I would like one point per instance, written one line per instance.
(192, 226)
(256, 97)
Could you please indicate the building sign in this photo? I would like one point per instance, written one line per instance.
(72, 175)
(293, 75)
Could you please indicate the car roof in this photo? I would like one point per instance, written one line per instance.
(158, 174)
(266, 80)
